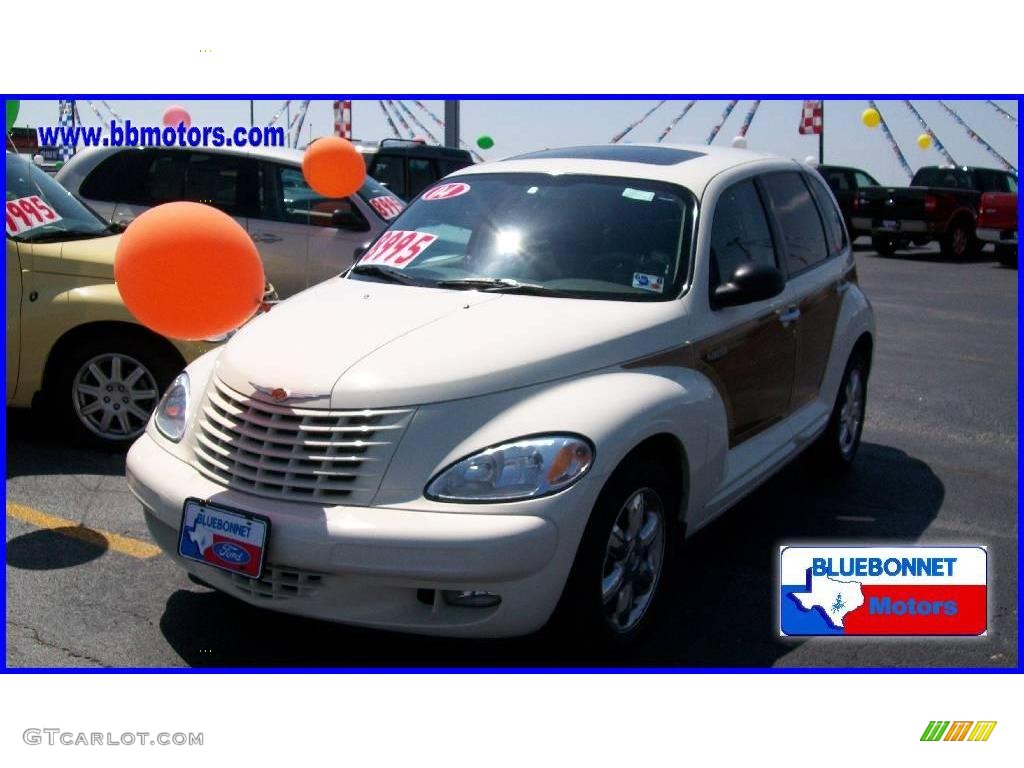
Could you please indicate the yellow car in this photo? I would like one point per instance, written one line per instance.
(73, 349)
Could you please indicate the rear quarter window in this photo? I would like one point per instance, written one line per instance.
(830, 215)
(803, 234)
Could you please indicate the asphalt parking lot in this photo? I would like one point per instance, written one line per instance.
(938, 465)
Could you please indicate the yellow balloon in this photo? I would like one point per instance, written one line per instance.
(924, 141)
(870, 117)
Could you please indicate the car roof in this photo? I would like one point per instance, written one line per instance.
(689, 165)
(284, 154)
(409, 147)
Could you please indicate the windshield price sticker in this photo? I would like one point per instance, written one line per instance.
(387, 207)
(397, 248)
(446, 191)
(27, 213)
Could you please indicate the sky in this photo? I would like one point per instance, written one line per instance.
(519, 125)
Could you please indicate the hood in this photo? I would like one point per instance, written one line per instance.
(356, 344)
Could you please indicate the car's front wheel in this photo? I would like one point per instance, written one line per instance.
(621, 565)
(105, 388)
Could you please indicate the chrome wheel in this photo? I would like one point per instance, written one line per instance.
(114, 395)
(851, 412)
(633, 560)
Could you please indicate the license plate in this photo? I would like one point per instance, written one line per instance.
(225, 538)
(890, 225)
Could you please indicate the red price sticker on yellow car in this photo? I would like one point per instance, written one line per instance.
(27, 213)
(397, 248)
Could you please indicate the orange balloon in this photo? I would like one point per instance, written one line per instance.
(188, 271)
(333, 167)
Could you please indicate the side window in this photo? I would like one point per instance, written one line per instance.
(830, 215)
(115, 179)
(863, 180)
(739, 233)
(1011, 183)
(390, 171)
(803, 235)
(287, 197)
(421, 175)
(216, 179)
(838, 181)
(163, 178)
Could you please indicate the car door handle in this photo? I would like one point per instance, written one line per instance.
(789, 316)
(266, 237)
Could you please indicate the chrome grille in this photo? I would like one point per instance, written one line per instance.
(298, 454)
(278, 583)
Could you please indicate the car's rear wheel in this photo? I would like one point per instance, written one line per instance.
(837, 447)
(884, 246)
(624, 557)
(959, 241)
(105, 388)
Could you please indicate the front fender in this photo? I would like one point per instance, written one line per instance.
(616, 409)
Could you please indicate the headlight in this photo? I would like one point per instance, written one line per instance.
(521, 469)
(172, 413)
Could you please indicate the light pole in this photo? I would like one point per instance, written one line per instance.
(451, 123)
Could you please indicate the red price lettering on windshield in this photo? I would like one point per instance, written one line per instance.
(398, 248)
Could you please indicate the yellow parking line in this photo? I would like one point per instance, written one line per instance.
(115, 541)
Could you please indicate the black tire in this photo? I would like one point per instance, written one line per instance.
(583, 613)
(837, 447)
(959, 242)
(1007, 255)
(70, 405)
(884, 246)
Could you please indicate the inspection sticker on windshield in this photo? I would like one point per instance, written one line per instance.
(638, 194)
(27, 213)
(397, 248)
(654, 283)
(904, 590)
(387, 207)
(446, 191)
(224, 538)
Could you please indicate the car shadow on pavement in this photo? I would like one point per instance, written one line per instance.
(36, 447)
(720, 609)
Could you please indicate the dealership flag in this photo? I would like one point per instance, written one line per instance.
(810, 121)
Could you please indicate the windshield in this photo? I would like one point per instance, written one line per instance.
(581, 236)
(38, 208)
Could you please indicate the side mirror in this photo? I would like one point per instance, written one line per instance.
(357, 254)
(750, 283)
(353, 222)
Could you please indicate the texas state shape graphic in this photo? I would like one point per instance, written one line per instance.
(833, 597)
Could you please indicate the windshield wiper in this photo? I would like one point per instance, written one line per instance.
(501, 285)
(59, 236)
(388, 273)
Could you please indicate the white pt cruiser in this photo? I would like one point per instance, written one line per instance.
(545, 374)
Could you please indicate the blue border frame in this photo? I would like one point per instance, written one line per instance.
(527, 670)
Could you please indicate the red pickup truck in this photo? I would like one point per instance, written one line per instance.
(997, 223)
(961, 207)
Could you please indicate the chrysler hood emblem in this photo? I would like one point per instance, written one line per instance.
(280, 394)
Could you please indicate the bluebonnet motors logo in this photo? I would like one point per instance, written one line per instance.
(883, 590)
